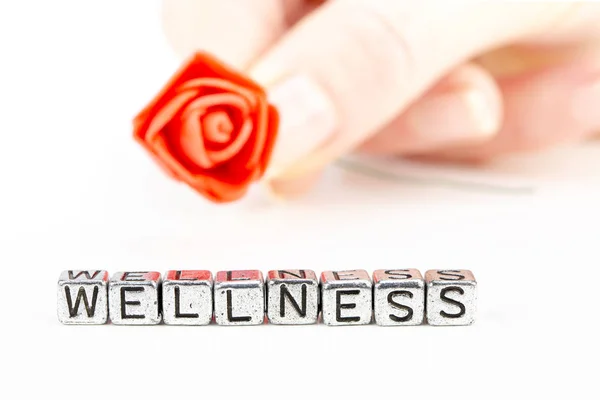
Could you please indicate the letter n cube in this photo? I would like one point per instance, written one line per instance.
(292, 297)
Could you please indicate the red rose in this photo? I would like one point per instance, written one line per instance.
(211, 128)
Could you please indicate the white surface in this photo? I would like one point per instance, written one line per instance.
(78, 193)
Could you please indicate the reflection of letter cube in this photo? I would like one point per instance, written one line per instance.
(187, 298)
(451, 297)
(82, 297)
(134, 298)
(292, 297)
(239, 298)
(399, 297)
(346, 297)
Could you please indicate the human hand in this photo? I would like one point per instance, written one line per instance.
(439, 80)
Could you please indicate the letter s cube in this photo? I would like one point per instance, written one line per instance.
(398, 297)
(451, 297)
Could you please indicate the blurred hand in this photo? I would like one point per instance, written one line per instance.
(439, 80)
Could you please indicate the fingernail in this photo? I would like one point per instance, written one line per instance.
(585, 105)
(307, 121)
(455, 116)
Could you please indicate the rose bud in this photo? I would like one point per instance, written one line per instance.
(211, 128)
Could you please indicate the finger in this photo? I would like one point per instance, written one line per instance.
(287, 189)
(236, 31)
(544, 108)
(464, 107)
(369, 59)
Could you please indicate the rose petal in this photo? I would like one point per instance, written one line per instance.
(214, 83)
(160, 148)
(234, 148)
(191, 142)
(167, 113)
(190, 69)
(159, 161)
(222, 71)
(217, 127)
(201, 104)
(196, 108)
(227, 191)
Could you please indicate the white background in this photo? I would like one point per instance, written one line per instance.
(77, 193)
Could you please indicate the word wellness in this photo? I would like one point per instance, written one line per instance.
(291, 297)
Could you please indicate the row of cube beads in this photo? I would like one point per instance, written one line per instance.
(291, 297)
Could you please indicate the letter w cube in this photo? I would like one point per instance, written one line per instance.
(82, 297)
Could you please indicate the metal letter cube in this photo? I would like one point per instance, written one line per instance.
(399, 297)
(82, 297)
(451, 297)
(134, 298)
(292, 297)
(239, 298)
(187, 298)
(347, 297)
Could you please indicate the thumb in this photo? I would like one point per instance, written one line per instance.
(362, 62)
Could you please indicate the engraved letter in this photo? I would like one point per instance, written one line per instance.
(452, 301)
(89, 309)
(230, 316)
(451, 275)
(393, 303)
(340, 306)
(125, 303)
(178, 313)
(285, 292)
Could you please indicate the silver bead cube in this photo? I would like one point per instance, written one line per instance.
(292, 297)
(239, 298)
(451, 297)
(187, 298)
(134, 298)
(82, 297)
(399, 297)
(347, 297)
